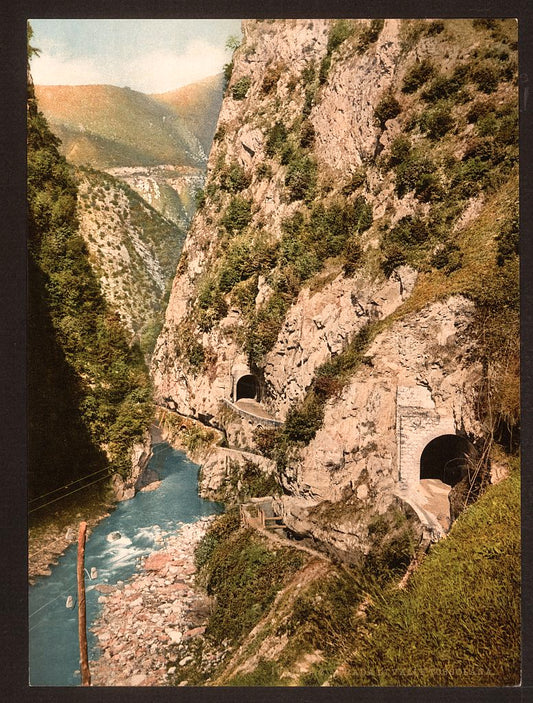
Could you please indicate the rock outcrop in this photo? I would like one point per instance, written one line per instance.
(312, 127)
(139, 477)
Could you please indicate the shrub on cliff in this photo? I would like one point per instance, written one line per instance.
(386, 109)
(301, 177)
(237, 215)
(417, 75)
(233, 178)
(241, 88)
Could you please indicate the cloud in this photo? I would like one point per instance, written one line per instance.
(57, 70)
(152, 72)
(161, 71)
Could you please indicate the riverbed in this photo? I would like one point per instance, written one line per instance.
(115, 551)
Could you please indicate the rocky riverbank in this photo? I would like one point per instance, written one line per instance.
(51, 532)
(50, 536)
(148, 621)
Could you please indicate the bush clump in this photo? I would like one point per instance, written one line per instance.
(437, 121)
(339, 32)
(417, 75)
(387, 109)
(241, 87)
(301, 178)
(369, 35)
(276, 138)
(486, 77)
(305, 418)
(442, 87)
(233, 178)
(238, 214)
(409, 241)
(416, 173)
(244, 576)
(271, 78)
(508, 240)
(357, 180)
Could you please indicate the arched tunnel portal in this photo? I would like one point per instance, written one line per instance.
(447, 458)
(247, 387)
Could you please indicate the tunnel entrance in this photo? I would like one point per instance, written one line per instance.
(446, 458)
(247, 387)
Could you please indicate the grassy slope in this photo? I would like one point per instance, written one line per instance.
(458, 622)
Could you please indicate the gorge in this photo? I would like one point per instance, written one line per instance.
(340, 348)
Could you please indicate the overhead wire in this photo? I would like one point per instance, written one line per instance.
(69, 484)
(59, 539)
(67, 494)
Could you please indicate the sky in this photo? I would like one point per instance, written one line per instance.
(151, 56)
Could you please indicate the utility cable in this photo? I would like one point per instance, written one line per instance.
(68, 494)
(51, 601)
(68, 484)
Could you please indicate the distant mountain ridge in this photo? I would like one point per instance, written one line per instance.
(157, 144)
(198, 104)
(104, 126)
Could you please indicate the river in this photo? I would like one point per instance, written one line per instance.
(142, 523)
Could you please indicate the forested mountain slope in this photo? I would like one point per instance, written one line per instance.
(88, 390)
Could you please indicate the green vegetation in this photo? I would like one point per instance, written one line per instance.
(247, 481)
(417, 75)
(237, 215)
(338, 33)
(386, 109)
(233, 42)
(437, 121)
(442, 87)
(308, 240)
(240, 88)
(243, 574)
(233, 178)
(88, 388)
(369, 35)
(408, 242)
(458, 623)
(271, 78)
(301, 177)
(305, 418)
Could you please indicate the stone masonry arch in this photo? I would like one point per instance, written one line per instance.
(446, 458)
(244, 384)
(417, 424)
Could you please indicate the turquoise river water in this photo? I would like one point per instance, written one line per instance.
(53, 628)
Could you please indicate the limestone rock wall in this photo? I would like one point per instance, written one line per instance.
(349, 473)
(355, 453)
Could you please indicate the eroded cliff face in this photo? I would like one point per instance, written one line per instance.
(309, 130)
(353, 460)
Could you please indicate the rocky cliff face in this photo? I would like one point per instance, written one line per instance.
(345, 196)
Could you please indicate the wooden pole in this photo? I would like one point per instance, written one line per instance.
(82, 619)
